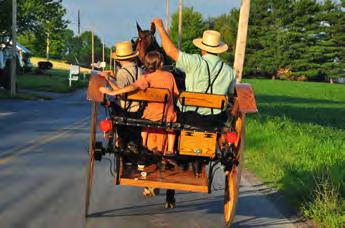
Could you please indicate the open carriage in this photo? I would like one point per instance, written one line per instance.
(205, 145)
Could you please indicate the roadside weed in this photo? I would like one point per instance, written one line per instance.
(300, 130)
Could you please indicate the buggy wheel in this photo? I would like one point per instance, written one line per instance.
(92, 144)
(230, 195)
(232, 181)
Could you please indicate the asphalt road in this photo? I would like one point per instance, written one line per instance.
(43, 160)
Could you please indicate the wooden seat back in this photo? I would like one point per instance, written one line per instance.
(203, 100)
(150, 95)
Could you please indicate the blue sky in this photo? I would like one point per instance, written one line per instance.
(114, 20)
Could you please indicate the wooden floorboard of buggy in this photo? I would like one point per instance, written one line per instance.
(169, 179)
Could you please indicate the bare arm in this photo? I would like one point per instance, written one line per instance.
(106, 74)
(169, 47)
(113, 85)
(126, 89)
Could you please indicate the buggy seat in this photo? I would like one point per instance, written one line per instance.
(194, 140)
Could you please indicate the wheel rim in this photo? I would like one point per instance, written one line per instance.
(92, 142)
(233, 177)
(231, 193)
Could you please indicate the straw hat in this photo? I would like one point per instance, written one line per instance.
(124, 50)
(211, 42)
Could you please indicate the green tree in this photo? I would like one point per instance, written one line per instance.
(227, 25)
(79, 48)
(36, 19)
(5, 19)
(193, 26)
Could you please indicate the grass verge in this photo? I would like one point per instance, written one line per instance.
(54, 80)
(296, 143)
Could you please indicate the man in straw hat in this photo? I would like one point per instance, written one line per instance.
(129, 137)
(205, 73)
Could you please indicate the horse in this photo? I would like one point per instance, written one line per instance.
(146, 42)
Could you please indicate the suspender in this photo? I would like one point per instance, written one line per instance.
(134, 79)
(136, 73)
(210, 84)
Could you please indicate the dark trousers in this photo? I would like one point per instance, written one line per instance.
(202, 121)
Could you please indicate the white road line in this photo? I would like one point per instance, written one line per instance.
(4, 114)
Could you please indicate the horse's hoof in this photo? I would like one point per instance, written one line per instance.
(149, 192)
(156, 191)
(169, 205)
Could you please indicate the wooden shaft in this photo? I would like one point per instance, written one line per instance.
(241, 39)
(180, 8)
(14, 48)
(167, 16)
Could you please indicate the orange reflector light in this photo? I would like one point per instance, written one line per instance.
(231, 137)
(106, 125)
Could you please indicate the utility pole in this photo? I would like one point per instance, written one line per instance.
(92, 50)
(48, 46)
(241, 39)
(180, 7)
(14, 48)
(110, 57)
(167, 16)
(78, 23)
(103, 60)
(79, 41)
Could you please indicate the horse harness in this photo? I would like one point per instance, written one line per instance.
(210, 83)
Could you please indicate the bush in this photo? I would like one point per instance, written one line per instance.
(45, 65)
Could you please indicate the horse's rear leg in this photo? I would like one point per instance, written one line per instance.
(170, 201)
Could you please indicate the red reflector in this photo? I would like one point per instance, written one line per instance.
(231, 137)
(106, 125)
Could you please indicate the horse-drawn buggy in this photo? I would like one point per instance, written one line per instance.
(144, 152)
(197, 148)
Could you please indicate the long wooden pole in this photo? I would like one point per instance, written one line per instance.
(180, 8)
(103, 54)
(14, 48)
(92, 50)
(48, 46)
(167, 16)
(241, 39)
(110, 65)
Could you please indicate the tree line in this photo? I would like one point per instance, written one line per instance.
(41, 23)
(289, 38)
(286, 38)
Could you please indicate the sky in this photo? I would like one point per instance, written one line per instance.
(115, 20)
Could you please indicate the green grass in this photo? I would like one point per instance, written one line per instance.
(55, 80)
(296, 143)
